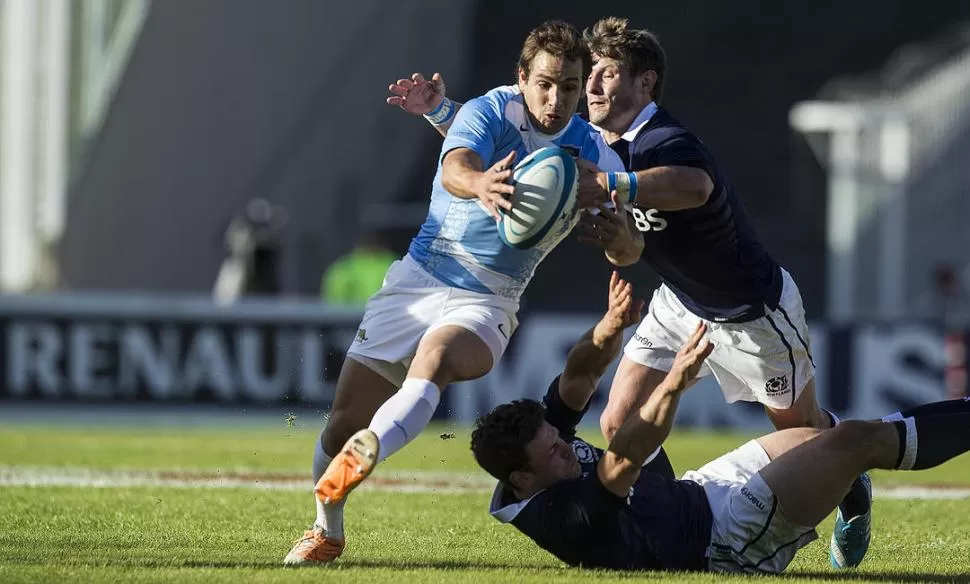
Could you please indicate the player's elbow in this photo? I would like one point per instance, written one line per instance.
(458, 170)
(698, 187)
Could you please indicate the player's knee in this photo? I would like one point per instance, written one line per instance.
(459, 361)
(434, 359)
(858, 436)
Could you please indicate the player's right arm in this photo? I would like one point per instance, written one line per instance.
(646, 430)
(421, 97)
(588, 359)
(475, 135)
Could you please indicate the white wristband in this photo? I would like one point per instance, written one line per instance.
(441, 114)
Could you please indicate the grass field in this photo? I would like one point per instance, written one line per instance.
(179, 517)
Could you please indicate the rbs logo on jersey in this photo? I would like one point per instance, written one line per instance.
(648, 220)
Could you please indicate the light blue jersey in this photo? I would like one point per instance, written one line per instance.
(459, 242)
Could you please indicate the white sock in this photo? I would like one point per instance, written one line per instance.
(330, 518)
(405, 414)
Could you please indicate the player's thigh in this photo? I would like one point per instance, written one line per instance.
(467, 340)
(632, 386)
(756, 361)
(449, 354)
(361, 389)
(766, 360)
(813, 470)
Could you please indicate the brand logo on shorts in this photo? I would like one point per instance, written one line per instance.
(777, 385)
(754, 500)
(361, 336)
(502, 330)
(643, 340)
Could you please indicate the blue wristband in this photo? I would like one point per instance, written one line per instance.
(610, 182)
(634, 187)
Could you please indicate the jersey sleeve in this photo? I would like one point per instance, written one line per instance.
(683, 151)
(478, 127)
(558, 414)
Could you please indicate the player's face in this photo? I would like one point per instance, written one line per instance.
(550, 458)
(552, 91)
(613, 94)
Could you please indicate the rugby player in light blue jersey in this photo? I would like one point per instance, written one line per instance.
(447, 309)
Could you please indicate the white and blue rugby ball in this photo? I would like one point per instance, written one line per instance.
(544, 202)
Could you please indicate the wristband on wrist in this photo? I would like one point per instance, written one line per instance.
(624, 183)
(441, 114)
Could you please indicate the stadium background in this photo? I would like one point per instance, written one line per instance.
(134, 133)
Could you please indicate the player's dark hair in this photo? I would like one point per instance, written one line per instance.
(500, 437)
(559, 39)
(638, 50)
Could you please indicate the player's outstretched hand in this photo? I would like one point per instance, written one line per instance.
(417, 95)
(623, 309)
(589, 191)
(689, 358)
(493, 187)
(607, 228)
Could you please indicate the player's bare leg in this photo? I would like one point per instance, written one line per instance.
(445, 355)
(853, 523)
(360, 392)
(632, 386)
(809, 473)
(804, 413)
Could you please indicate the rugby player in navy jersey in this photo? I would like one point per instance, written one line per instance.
(750, 510)
(698, 239)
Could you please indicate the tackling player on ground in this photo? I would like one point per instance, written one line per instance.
(748, 511)
(447, 309)
(699, 241)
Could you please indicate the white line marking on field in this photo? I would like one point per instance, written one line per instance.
(391, 481)
(407, 481)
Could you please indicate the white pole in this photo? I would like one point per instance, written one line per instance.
(56, 137)
(842, 223)
(17, 149)
(894, 158)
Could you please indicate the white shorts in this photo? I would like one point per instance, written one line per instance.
(766, 360)
(750, 532)
(412, 303)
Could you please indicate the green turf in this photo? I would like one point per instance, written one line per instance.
(288, 449)
(170, 534)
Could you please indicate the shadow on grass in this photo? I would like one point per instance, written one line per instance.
(481, 566)
(879, 577)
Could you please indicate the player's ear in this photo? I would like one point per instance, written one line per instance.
(521, 480)
(647, 81)
(523, 79)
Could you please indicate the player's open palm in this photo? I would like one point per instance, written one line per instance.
(417, 95)
(624, 310)
(690, 358)
(494, 189)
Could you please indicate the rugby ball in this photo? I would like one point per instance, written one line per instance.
(544, 201)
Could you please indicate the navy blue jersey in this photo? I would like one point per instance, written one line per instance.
(709, 256)
(663, 524)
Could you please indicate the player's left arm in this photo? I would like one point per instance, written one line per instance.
(422, 97)
(645, 431)
(681, 177)
(589, 358)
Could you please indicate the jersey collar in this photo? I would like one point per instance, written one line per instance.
(506, 513)
(641, 121)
